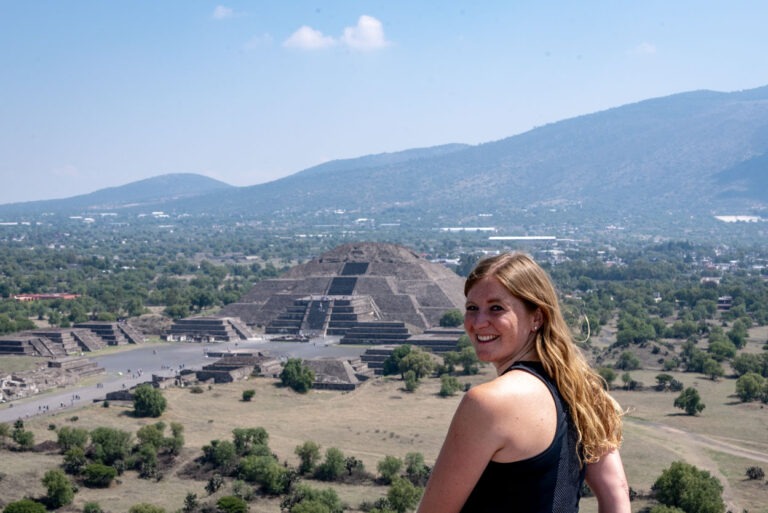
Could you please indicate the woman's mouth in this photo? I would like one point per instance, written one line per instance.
(482, 339)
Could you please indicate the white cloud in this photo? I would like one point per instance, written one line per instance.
(307, 38)
(368, 34)
(644, 48)
(222, 13)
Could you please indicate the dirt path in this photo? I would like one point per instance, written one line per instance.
(690, 447)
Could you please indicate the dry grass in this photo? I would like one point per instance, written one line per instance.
(381, 419)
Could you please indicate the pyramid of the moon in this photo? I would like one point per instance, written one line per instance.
(353, 284)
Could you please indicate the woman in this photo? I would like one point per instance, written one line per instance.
(527, 440)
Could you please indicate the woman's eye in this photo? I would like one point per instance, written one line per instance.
(497, 308)
(471, 308)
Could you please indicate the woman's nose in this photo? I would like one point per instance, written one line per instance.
(478, 319)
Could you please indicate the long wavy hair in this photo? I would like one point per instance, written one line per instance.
(595, 414)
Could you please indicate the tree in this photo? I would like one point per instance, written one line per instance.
(415, 468)
(749, 386)
(419, 361)
(332, 467)
(305, 499)
(627, 361)
(221, 454)
(109, 445)
(248, 440)
(231, 504)
(449, 385)
(146, 461)
(451, 319)
(755, 473)
(148, 401)
(60, 490)
(25, 439)
(74, 461)
(468, 360)
(151, 434)
(353, 464)
(69, 438)
(175, 443)
(713, 369)
(692, 490)
(392, 364)
(25, 506)
(97, 475)
(389, 468)
(690, 401)
(308, 453)
(265, 470)
(403, 495)
(297, 376)
(411, 382)
(190, 503)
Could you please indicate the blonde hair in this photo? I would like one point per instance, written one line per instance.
(595, 414)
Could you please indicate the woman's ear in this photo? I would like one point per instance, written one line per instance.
(538, 318)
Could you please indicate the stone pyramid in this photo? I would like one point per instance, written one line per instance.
(392, 281)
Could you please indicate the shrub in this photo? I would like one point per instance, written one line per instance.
(69, 438)
(92, 507)
(451, 319)
(248, 394)
(692, 490)
(389, 468)
(332, 467)
(144, 507)
(148, 401)
(755, 473)
(449, 385)
(231, 504)
(297, 376)
(308, 453)
(411, 383)
(25, 506)
(60, 490)
(97, 475)
(690, 401)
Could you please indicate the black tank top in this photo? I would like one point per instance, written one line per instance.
(549, 482)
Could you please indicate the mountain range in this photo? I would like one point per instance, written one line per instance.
(687, 155)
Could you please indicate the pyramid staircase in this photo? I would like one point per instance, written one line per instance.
(226, 329)
(112, 333)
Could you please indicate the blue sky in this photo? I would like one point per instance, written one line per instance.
(96, 94)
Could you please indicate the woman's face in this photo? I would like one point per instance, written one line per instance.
(499, 325)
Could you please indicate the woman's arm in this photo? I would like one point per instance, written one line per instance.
(607, 480)
(468, 447)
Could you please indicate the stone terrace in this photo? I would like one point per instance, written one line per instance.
(383, 283)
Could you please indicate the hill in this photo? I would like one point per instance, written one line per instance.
(151, 192)
(676, 160)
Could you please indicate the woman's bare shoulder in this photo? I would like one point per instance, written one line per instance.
(514, 386)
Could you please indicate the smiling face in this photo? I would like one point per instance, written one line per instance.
(501, 328)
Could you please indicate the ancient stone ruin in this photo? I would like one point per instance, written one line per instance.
(209, 329)
(364, 292)
(60, 342)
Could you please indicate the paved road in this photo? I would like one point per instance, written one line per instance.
(132, 367)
